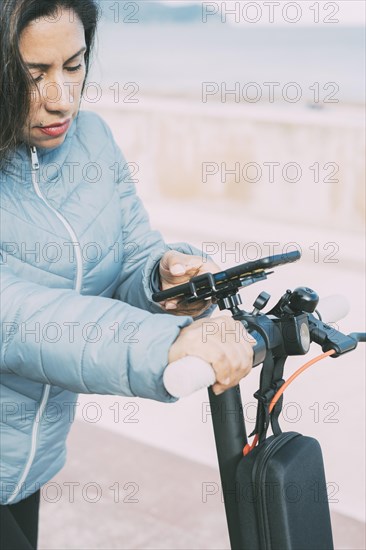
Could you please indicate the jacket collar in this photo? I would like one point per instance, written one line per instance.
(18, 165)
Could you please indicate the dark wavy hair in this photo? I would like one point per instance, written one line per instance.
(15, 80)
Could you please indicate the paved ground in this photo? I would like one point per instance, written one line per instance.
(116, 493)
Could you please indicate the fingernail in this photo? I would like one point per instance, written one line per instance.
(195, 265)
(177, 269)
(171, 305)
(226, 381)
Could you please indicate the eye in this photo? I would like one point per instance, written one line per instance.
(38, 79)
(73, 69)
(69, 69)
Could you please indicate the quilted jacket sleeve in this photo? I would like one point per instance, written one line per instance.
(146, 246)
(86, 344)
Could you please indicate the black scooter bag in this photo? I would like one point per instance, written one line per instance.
(283, 501)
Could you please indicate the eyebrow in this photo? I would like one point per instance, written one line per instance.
(45, 66)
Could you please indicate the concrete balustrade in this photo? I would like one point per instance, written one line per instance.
(298, 165)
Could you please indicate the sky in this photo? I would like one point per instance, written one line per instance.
(348, 12)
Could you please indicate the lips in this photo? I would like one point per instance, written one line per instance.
(56, 129)
(55, 125)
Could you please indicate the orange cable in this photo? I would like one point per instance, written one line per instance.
(249, 447)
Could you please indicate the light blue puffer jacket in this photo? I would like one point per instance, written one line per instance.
(76, 311)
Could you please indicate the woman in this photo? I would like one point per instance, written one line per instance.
(79, 261)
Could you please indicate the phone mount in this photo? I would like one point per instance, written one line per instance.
(226, 294)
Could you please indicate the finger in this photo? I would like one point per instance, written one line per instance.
(194, 264)
(171, 305)
(178, 264)
(201, 266)
(222, 371)
(174, 262)
(209, 267)
(179, 273)
(235, 365)
(185, 311)
(169, 279)
(195, 308)
(218, 389)
(177, 269)
(180, 307)
(232, 370)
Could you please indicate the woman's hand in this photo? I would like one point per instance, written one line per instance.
(222, 342)
(177, 268)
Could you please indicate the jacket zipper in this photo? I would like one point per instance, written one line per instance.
(74, 239)
(78, 283)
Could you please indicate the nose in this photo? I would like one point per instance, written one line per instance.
(59, 96)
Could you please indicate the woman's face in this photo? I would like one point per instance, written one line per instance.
(53, 50)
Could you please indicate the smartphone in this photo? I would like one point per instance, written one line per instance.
(202, 282)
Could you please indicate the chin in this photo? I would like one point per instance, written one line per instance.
(42, 141)
(50, 143)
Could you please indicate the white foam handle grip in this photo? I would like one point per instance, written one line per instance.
(333, 308)
(187, 375)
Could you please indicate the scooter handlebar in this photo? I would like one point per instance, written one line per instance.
(190, 374)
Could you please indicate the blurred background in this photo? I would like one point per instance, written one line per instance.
(242, 124)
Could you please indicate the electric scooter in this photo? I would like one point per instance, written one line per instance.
(254, 476)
